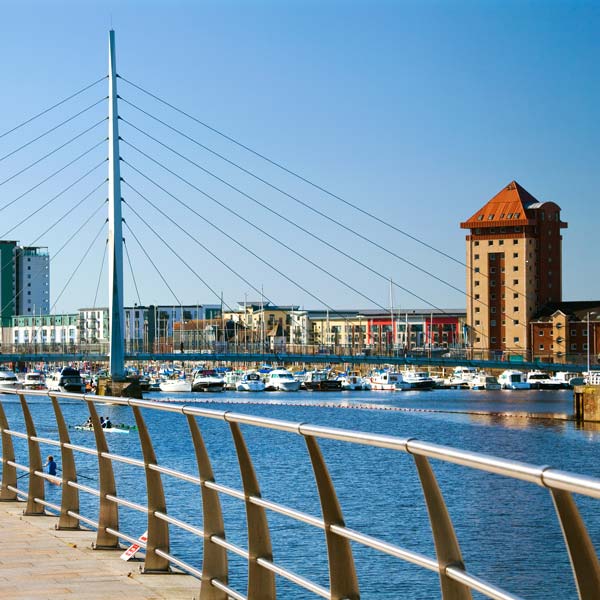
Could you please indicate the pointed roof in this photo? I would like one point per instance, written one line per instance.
(507, 208)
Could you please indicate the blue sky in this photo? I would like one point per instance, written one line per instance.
(418, 111)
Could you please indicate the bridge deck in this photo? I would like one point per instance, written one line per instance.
(36, 561)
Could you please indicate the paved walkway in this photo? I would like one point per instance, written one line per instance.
(37, 562)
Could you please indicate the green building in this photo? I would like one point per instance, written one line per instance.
(8, 251)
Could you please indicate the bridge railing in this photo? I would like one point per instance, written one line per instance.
(456, 581)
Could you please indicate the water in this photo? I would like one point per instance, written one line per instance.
(507, 530)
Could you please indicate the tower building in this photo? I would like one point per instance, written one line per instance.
(33, 280)
(514, 267)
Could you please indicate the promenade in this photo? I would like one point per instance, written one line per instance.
(38, 562)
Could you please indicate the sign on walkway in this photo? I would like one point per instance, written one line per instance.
(134, 547)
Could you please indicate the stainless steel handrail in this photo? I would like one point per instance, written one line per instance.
(456, 583)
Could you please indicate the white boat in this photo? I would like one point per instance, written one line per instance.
(207, 380)
(483, 381)
(232, 378)
(113, 429)
(281, 380)
(461, 376)
(511, 379)
(390, 381)
(569, 380)
(67, 379)
(251, 382)
(319, 381)
(417, 380)
(542, 381)
(351, 382)
(592, 377)
(175, 385)
(33, 380)
(9, 381)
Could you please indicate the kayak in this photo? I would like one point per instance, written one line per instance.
(122, 429)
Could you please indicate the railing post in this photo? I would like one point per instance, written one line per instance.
(446, 544)
(70, 495)
(108, 512)
(261, 581)
(9, 473)
(36, 484)
(214, 560)
(342, 571)
(579, 545)
(158, 530)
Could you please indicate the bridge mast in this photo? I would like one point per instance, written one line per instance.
(115, 224)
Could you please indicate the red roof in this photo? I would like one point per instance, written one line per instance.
(506, 208)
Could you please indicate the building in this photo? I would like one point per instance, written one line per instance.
(567, 332)
(33, 280)
(45, 332)
(514, 267)
(8, 281)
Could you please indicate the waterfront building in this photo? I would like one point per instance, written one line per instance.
(514, 267)
(8, 281)
(32, 280)
(45, 332)
(559, 332)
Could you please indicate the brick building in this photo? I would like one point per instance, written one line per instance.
(514, 267)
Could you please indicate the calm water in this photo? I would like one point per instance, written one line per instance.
(507, 530)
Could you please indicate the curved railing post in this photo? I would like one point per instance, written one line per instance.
(261, 581)
(108, 511)
(342, 571)
(158, 530)
(70, 495)
(36, 484)
(9, 473)
(445, 540)
(214, 560)
(579, 545)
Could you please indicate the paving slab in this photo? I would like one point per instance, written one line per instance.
(37, 562)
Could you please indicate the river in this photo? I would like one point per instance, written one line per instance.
(507, 530)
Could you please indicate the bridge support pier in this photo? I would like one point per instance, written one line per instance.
(586, 403)
(120, 387)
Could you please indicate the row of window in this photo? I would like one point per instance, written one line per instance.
(573, 346)
(573, 332)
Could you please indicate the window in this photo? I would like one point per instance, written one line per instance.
(541, 346)
(509, 216)
(515, 282)
(491, 218)
(516, 322)
(515, 268)
(477, 309)
(493, 297)
(490, 242)
(515, 295)
(515, 242)
(476, 283)
(573, 332)
(515, 309)
(493, 309)
(492, 269)
(492, 283)
(515, 255)
(477, 257)
(480, 218)
(492, 257)
(476, 269)
(501, 242)
(477, 322)
(516, 340)
(585, 346)
(573, 346)
(477, 339)
(493, 323)
(585, 333)
(541, 332)
(476, 296)
(476, 243)
(493, 340)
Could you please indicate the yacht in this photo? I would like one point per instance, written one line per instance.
(542, 381)
(461, 376)
(33, 380)
(251, 382)
(569, 380)
(351, 381)
(281, 380)
(318, 381)
(510, 379)
(207, 380)
(417, 380)
(232, 379)
(9, 381)
(67, 379)
(483, 381)
(390, 381)
(175, 384)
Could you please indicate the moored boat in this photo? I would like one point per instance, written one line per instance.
(33, 380)
(175, 385)
(390, 381)
(351, 382)
(207, 380)
(68, 379)
(9, 381)
(511, 379)
(483, 381)
(251, 382)
(319, 381)
(542, 381)
(417, 380)
(281, 380)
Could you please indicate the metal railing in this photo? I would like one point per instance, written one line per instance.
(456, 583)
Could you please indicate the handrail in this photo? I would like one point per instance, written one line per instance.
(456, 583)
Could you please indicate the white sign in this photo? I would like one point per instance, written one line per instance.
(134, 547)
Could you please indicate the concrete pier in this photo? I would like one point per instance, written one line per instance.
(37, 561)
(586, 403)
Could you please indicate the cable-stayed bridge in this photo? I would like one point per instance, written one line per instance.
(163, 187)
